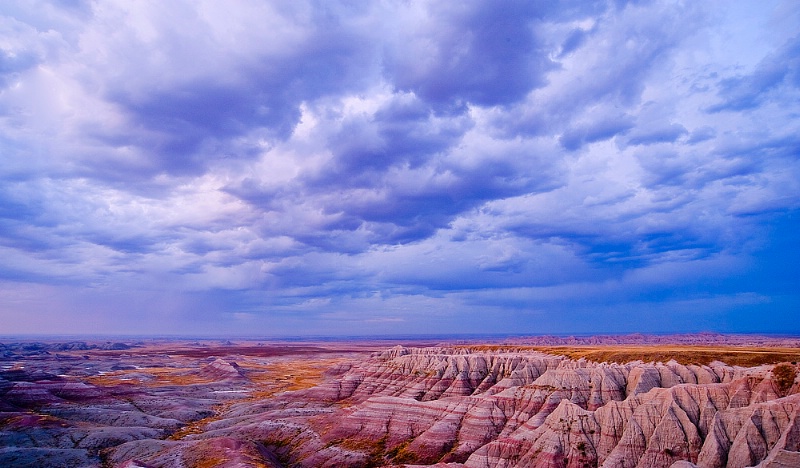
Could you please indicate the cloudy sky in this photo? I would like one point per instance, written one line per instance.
(397, 167)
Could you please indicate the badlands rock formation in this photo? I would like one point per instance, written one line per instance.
(219, 369)
(458, 407)
(434, 406)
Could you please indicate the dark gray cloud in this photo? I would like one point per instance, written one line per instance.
(663, 134)
(701, 134)
(595, 98)
(482, 53)
(604, 129)
(779, 69)
(575, 39)
(182, 122)
(404, 132)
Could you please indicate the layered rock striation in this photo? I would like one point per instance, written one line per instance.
(436, 406)
(463, 407)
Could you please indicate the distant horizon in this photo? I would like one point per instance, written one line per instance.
(399, 168)
(399, 337)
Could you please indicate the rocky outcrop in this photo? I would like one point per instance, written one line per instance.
(38, 457)
(449, 407)
(219, 369)
(48, 420)
(461, 407)
(431, 373)
(221, 452)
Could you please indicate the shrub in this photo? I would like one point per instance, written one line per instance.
(784, 375)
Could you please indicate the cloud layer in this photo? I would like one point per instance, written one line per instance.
(398, 167)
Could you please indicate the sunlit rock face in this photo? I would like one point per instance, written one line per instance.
(483, 409)
(461, 407)
(432, 406)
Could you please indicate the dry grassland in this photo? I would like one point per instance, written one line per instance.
(684, 354)
(269, 379)
(162, 376)
(289, 375)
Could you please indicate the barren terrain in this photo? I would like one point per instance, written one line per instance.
(523, 402)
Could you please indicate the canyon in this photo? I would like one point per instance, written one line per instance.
(630, 401)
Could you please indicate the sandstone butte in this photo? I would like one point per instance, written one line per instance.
(461, 407)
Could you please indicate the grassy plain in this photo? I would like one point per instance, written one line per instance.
(684, 354)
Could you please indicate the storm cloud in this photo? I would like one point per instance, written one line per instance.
(291, 168)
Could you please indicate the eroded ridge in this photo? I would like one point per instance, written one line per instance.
(462, 407)
(480, 407)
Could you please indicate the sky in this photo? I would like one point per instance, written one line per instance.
(386, 167)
